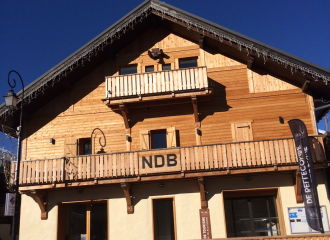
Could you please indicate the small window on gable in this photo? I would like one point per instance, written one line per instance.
(166, 67)
(150, 68)
(161, 138)
(130, 69)
(85, 146)
(188, 62)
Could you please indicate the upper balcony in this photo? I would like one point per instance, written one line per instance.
(156, 86)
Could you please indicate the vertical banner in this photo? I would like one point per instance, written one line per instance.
(205, 223)
(10, 204)
(309, 191)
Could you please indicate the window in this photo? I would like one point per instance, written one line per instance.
(158, 139)
(131, 69)
(251, 216)
(187, 62)
(163, 219)
(161, 138)
(166, 67)
(85, 146)
(83, 221)
(149, 68)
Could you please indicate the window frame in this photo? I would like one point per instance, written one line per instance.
(61, 217)
(171, 138)
(248, 193)
(153, 215)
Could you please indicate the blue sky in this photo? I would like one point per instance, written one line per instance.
(36, 35)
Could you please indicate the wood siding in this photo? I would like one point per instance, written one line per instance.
(75, 113)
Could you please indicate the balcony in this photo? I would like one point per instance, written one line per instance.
(171, 163)
(153, 86)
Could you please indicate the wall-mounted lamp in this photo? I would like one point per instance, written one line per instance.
(128, 138)
(52, 141)
(198, 132)
(155, 53)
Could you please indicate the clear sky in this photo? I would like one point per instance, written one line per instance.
(37, 35)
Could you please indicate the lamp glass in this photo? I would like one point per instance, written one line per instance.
(11, 99)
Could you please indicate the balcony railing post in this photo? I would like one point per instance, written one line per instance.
(63, 168)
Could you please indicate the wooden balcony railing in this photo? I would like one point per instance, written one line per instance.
(314, 236)
(156, 82)
(279, 152)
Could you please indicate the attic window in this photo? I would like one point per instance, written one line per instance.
(130, 69)
(188, 62)
(150, 68)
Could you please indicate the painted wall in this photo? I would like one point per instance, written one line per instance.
(187, 204)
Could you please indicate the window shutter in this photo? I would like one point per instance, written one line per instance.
(144, 140)
(171, 137)
(242, 132)
(70, 147)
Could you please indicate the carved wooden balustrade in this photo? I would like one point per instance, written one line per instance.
(217, 159)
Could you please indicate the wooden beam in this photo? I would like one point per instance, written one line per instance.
(41, 198)
(202, 192)
(125, 114)
(126, 188)
(196, 113)
(201, 41)
(250, 62)
(305, 87)
(297, 186)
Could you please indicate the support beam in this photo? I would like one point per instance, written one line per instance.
(196, 113)
(305, 87)
(201, 41)
(297, 186)
(41, 198)
(126, 188)
(202, 192)
(250, 62)
(125, 114)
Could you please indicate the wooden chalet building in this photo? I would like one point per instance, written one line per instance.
(166, 126)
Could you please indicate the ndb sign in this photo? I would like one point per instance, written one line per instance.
(159, 161)
(10, 204)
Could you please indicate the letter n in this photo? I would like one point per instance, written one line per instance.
(144, 160)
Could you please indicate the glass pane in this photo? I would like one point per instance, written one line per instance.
(128, 70)
(87, 147)
(166, 67)
(187, 63)
(238, 219)
(75, 221)
(163, 219)
(149, 69)
(274, 225)
(98, 221)
(159, 140)
(260, 216)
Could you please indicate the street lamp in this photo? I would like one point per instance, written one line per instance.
(11, 101)
(102, 145)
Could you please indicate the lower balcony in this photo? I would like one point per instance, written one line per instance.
(172, 163)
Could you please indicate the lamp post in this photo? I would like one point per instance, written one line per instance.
(11, 101)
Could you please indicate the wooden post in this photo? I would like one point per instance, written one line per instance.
(202, 192)
(197, 122)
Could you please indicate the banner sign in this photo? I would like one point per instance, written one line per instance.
(10, 204)
(205, 223)
(309, 191)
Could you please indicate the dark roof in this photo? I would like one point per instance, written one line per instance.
(121, 33)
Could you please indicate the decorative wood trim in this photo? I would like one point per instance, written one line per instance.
(126, 188)
(297, 186)
(202, 192)
(41, 198)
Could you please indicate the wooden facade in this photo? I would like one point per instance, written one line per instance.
(220, 118)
